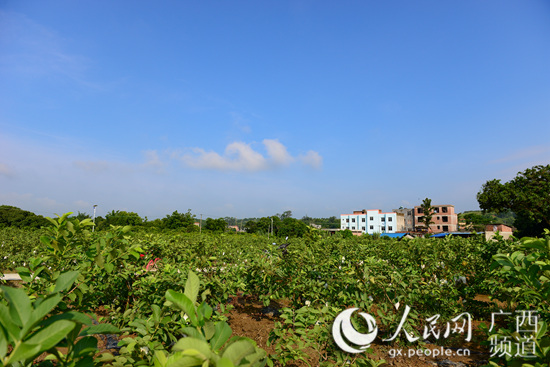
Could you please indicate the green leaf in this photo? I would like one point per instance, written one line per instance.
(192, 286)
(182, 302)
(3, 343)
(160, 359)
(221, 335)
(74, 316)
(225, 362)
(191, 343)
(100, 329)
(40, 311)
(20, 305)
(51, 335)
(65, 281)
(192, 332)
(23, 352)
(7, 322)
(542, 329)
(237, 350)
(24, 273)
(85, 346)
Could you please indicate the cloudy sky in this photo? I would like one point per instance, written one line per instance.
(251, 108)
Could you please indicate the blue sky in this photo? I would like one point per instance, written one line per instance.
(251, 108)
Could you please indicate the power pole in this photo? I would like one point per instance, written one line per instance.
(93, 220)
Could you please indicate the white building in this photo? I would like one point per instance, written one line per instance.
(372, 221)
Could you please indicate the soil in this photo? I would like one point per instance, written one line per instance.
(249, 318)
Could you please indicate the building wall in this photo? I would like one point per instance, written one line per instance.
(502, 229)
(408, 219)
(444, 218)
(370, 221)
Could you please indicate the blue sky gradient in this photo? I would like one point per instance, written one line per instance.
(251, 108)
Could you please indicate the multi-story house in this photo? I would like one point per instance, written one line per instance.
(408, 217)
(444, 219)
(372, 221)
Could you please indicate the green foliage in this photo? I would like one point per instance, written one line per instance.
(526, 195)
(331, 222)
(427, 210)
(319, 276)
(28, 327)
(526, 285)
(184, 221)
(10, 216)
(215, 225)
(122, 218)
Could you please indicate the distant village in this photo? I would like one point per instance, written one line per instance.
(407, 222)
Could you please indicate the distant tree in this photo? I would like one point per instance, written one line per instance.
(477, 221)
(11, 216)
(292, 227)
(251, 226)
(177, 220)
(286, 214)
(427, 211)
(122, 218)
(215, 225)
(527, 195)
(81, 216)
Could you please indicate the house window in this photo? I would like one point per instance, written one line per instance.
(353, 227)
(419, 219)
(353, 220)
(383, 228)
(438, 227)
(444, 209)
(390, 228)
(445, 219)
(363, 228)
(436, 210)
(371, 218)
(390, 219)
(371, 227)
(383, 219)
(446, 228)
(347, 220)
(419, 211)
(363, 220)
(437, 218)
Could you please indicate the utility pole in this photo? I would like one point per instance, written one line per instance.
(93, 220)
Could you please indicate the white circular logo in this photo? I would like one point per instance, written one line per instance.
(342, 328)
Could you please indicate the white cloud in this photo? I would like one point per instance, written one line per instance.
(277, 152)
(152, 160)
(312, 159)
(82, 204)
(530, 153)
(5, 170)
(239, 156)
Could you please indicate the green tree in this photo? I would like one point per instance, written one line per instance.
(292, 227)
(180, 221)
(215, 225)
(527, 195)
(427, 210)
(11, 216)
(122, 218)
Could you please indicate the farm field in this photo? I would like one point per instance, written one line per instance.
(149, 289)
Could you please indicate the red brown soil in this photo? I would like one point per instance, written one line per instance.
(247, 319)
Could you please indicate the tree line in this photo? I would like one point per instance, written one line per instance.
(524, 200)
